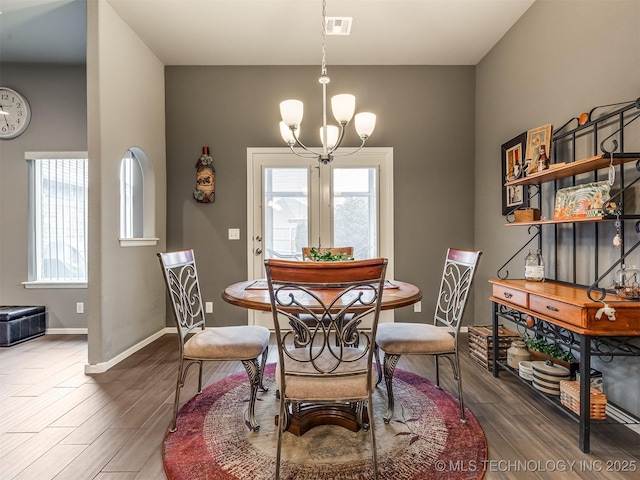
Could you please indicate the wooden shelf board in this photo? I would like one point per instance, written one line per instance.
(563, 220)
(575, 168)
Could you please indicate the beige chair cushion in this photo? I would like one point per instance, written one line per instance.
(414, 338)
(329, 386)
(227, 343)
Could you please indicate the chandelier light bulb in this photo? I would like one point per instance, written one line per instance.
(365, 124)
(343, 107)
(292, 111)
(287, 134)
(332, 136)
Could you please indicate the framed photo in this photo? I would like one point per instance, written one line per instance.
(535, 138)
(513, 166)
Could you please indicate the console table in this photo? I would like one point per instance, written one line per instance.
(566, 314)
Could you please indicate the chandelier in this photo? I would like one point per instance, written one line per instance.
(343, 107)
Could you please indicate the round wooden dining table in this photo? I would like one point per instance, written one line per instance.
(254, 294)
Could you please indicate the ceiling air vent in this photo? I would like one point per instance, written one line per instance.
(339, 25)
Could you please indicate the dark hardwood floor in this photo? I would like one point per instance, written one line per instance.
(58, 423)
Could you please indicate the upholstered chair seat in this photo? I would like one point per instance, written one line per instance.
(414, 339)
(305, 383)
(227, 343)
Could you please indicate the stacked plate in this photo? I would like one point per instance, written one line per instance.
(547, 376)
(525, 370)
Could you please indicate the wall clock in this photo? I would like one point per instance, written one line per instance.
(17, 113)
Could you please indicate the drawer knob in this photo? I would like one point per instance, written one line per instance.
(552, 308)
(508, 295)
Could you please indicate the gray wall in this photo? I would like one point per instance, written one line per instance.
(127, 296)
(58, 123)
(561, 59)
(425, 113)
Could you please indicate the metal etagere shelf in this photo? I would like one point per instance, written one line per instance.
(589, 148)
(605, 137)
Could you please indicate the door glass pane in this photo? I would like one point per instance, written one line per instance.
(355, 216)
(286, 212)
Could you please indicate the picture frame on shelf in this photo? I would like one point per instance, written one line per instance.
(535, 138)
(513, 167)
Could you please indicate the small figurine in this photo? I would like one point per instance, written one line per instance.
(543, 159)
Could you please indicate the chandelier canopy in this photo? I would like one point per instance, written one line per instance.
(343, 107)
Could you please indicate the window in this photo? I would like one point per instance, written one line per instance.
(131, 196)
(286, 216)
(58, 217)
(355, 210)
(137, 200)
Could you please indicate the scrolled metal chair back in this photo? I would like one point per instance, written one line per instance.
(457, 278)
(181, 277)
(334, 300)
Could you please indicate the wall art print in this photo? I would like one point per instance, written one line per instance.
(535, 138)
(513, 164)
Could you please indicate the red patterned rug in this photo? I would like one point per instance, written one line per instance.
(425, 439)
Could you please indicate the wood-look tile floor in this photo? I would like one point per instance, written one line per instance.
(58, 423)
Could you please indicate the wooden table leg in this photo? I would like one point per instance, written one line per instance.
(309, 416)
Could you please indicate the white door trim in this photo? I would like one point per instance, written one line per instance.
(384, 158)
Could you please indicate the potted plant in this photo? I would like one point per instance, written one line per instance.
(541, 350)
(328, 256)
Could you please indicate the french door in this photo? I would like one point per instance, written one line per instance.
(295, 202)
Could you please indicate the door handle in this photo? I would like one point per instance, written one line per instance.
(258, 251)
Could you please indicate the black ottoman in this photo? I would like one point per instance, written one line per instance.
(18, 324)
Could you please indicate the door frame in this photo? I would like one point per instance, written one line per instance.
(385, 206)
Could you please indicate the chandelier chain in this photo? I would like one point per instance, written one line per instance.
(343, 107)
(324, 37)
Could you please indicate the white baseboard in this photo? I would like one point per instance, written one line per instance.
(66, 331)
(104, 366)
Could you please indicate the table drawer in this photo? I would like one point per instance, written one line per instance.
(558, 310)
(511, 295)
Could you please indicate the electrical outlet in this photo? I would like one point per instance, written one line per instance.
(79, 307)
(208, 307)
(234, 234)
(417, 307)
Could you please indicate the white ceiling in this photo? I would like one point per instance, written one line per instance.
(268, 32)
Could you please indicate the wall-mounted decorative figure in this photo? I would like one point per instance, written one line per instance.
(205, 178)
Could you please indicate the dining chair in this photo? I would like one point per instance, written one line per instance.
(320, 370)
(440, 339)
(307, 255)
(198, 344)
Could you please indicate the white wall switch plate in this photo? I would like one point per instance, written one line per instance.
(79, 307)
(234, 234)
(417, 307)
(208, 307)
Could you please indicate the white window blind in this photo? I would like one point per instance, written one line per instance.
(58, 211)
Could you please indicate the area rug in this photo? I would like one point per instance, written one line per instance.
(424, 440)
